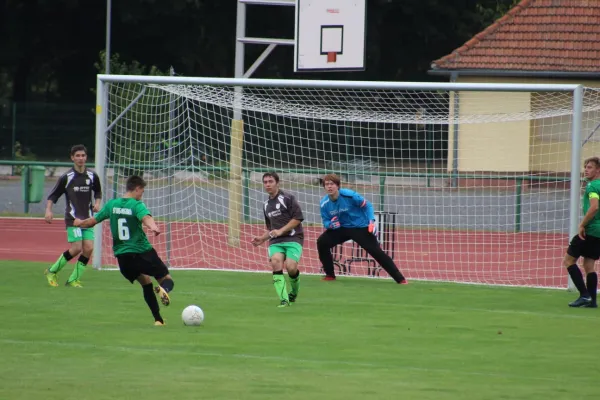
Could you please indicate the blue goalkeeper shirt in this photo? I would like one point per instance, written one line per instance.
(352, 210)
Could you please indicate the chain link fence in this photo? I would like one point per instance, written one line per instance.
(44, 131)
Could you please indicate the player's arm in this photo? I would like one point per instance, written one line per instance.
(286, 228)
(590, 214)
(296, 218)
(91, 222)
(258, 240)
(85, 223)
(366, 206)
(57, 191)
(328, 222)
(97, 188)
(148, 222)
(143, 214)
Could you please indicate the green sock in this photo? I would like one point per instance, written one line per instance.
(59, 264)
(79, 268)
(295, 283)
(280, 286)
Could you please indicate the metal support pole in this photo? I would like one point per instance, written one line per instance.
(455, 134)
(13, 143)
(108, 28)
(101, 132)
(575, 166)
(171, 170)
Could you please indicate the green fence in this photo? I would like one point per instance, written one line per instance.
(44, 131)
(31, 179)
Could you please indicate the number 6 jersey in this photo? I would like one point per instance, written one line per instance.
(126, 216)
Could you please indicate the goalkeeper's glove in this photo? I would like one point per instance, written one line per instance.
(335, 223)
(373, 227)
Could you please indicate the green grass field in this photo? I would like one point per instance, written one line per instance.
(349, 339)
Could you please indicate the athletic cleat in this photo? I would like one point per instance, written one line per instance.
(158, 323)
(403, 282)
(52, 278)
(164, 296)
(581, 302)
(292, 297)
(284, 303)
(328, 278)
(591, 305)
(74, 284)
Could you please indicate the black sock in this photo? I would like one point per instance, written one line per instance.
(577, 278)
(83, 259)
(67, 255)
(592, 285)
(167, 284)
(294, 276)
(151, 301)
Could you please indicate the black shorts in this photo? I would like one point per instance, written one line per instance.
(132, 265)
(588, 248)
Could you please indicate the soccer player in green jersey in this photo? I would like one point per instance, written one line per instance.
(283, 218)
(77, 185)
(586, 243)
(137, 258)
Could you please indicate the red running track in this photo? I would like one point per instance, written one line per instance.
(522, 259)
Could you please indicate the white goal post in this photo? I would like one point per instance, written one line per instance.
(483, 180)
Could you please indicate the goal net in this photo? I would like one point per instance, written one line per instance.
(468, 185)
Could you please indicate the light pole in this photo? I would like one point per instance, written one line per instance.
(108, 24)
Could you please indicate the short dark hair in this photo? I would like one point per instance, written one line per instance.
(333, 178)
(595, 160)
(76, 148)
(272, 175)
(134, 182)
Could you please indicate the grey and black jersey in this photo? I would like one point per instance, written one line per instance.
(77, 188)
(278, 212)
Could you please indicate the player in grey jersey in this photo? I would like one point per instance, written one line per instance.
(283, 218)
(77, 185)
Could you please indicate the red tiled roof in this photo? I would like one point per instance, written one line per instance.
(535, 35)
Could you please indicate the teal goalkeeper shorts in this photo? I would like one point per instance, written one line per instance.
(290, 250)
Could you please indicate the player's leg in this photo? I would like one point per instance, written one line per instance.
(591, 281)
(369, 242)
(573, 253)
(87, 247)
(74, 238)
(276, 259)
(591, 253)
(150, 298)
(153, 265)
(293, 252)
(165, 286)
(130, 266)
(329, 239)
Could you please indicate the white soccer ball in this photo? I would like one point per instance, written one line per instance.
(192, 316)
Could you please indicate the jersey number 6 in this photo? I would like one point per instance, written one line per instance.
(123, 229)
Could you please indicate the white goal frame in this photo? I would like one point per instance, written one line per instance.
(239, 83)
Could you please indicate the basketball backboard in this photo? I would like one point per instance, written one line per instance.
(330, 35)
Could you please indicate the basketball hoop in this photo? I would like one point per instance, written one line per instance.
(331, 57)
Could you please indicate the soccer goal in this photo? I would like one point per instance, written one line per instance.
(482, 180)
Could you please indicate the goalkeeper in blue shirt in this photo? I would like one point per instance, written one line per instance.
(349, 216)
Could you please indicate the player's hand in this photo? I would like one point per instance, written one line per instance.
(96, 208)
(77, 222)
(155, 230)
(373, 228)
(48, 217)
(335, 223)
(581, 232)
(257, 241)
